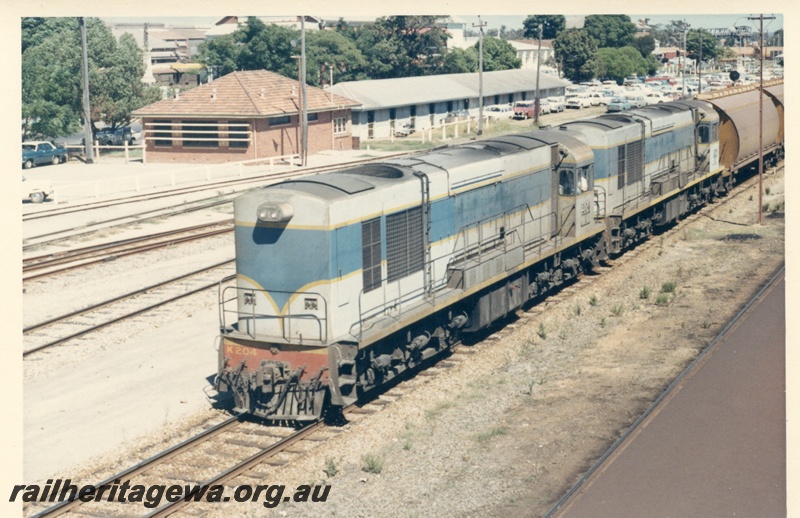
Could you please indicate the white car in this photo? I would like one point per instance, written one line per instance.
(597, 99)
(654, 98)
(499, 111)
(36, 190)
(556, 104)
(578, 102)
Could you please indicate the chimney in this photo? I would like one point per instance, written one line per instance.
(213, 93)
(177, 93)
(263, 95)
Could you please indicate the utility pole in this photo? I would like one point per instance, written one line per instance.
(480, 25)
(538, 63)
(700, 64)
(303, 87)
(88, 138)
(761, 18)
(683, 63)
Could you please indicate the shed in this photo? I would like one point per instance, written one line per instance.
(244, 116)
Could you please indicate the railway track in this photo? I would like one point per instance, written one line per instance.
(258, 459)
(57, 262)
(75, 324)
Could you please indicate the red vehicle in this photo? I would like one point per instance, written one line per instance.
(524, 110)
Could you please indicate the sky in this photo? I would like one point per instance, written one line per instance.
(708, 21)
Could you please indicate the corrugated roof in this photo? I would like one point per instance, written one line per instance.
(253, 93)
(384, 93)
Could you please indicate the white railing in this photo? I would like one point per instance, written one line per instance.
(189, 175)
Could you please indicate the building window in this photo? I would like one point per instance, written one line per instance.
(163, 129)
(280, 121)
(200, 134)
(340, 125)
(371, 254)
(310, 117)
(404, 244)
(238, 135)
(449, 106)
(392, 113)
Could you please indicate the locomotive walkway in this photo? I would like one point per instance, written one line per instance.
(716, 444)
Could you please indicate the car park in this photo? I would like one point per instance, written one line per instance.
(36, 191)
(618, 104)
(42, 152)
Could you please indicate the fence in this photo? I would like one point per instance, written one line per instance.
(195, 174)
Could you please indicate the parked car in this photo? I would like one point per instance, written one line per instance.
(42, 152)
(404, 131)
(578, 102)
(618, 104)
(544, 107)
(113, 137)
(499, 111)
(636, 100)
(556, 104)
(655, 98)
(36, 191)
(523, 110)
(597, 99)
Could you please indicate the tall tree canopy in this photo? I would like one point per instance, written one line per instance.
(577, 53)
(332, 50)
(645, 45)
(52, 92)
(460, 61)
(618, 63)
(552, 25)
(697, 39)
(671, 33)
(498, 55)
(610, 30)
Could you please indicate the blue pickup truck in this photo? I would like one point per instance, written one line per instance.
(41, 152)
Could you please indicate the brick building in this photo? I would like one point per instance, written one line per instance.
(244, 116)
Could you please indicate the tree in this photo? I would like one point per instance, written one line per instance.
(460, 61)
(577, 52)
(775, 39)
(552, 25)
(670, 34)
(618, 63)
(498, 55)
(221, 53)
(645, 45)
(326, 50)
(701, 38)
(416, 43)
(52, 90)
(266, 47)
(610, 30)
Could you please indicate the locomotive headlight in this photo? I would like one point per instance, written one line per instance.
(275, 212)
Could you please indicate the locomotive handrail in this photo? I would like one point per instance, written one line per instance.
(285, 320)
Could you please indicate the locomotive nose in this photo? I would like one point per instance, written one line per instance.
(275, 212)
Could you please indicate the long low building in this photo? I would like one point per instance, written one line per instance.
(425, 102)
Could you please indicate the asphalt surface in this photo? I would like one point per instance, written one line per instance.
(716, 445)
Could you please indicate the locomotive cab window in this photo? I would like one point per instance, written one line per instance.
(566, 182)
(585, 179)
(704, 133)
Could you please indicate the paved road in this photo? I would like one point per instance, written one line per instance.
(716, 446)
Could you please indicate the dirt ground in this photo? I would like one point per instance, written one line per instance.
(514, 421)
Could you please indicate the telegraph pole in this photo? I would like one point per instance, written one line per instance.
(538, 63)
(304, 152)
(480, 25)
(88, 138)
(761, 18)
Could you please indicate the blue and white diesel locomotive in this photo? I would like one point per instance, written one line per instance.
(347, 279)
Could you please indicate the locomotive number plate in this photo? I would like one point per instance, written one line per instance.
(239, 350)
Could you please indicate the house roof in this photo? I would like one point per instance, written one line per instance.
(252, 93)
(386, 93)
